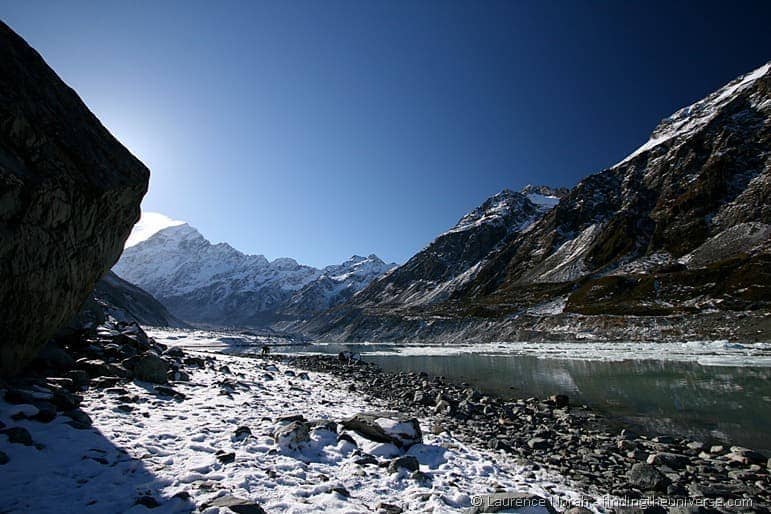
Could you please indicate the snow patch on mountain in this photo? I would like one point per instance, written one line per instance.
(543, 200)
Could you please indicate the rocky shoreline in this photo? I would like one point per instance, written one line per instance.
(330, 430)
(569, 440)
(111, 420)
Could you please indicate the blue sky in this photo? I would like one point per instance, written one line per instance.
(317, 130)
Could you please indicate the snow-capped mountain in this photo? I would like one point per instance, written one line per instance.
(336, 284)
(453, 258)
(149, 223)
(673, 234)
(216, 284)
(704, 171)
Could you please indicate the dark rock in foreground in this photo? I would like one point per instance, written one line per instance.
(69, 195)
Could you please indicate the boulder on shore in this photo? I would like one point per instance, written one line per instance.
(386, 428)
(69, 196)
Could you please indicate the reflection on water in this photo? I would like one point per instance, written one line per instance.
(705, 402)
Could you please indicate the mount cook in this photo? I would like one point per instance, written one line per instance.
(215, 284)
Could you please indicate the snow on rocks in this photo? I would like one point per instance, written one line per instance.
(243, 442)
(690, 119)
(384, 428)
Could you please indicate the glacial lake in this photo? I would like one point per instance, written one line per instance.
(708, 391)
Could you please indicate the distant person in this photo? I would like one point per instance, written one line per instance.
(265, 350)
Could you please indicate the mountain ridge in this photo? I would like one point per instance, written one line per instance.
(676, 231)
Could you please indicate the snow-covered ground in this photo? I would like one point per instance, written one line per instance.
(153, 445)
(213, 339)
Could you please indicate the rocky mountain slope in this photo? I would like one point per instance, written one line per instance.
(215, 284)
(453, 259)
(676, 232)
(125, 303)
(69, 195)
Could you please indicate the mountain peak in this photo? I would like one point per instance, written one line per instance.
(149, 224)
(215, 283)
(496, 209)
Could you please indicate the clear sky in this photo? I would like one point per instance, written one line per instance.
(320, 129)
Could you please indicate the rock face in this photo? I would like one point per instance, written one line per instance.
(216, 284)
(69, 195)
(678, 230)
(125, 302)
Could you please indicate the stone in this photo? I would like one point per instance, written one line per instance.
(196, 362)
(538, 443)
(46, 411)
(342, 491)
(79, 419)
(407, 462)
(65, 400)
(163, 390)
(472, 395)
(62, 382)
(69, 196)
(147, 501)
(99, 368)
(178, 376)
(18, 435)
(745, 456)
(53, 356)
(366, 460)
(151, 368)
(512, 502)
(290, 418)
(560, 401)
(386, 428)
(292, 435)
(18, 396)
(226, 457)
(443, 407)
(242, 433)
(174, 351)
(495, 443)
(236, 504)
(421, 398)
(79, 377)
(388, 508)
(325, 424)
(672, 460)
(421, 477)
(645, 477)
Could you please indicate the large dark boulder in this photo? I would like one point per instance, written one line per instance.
(69, 195)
